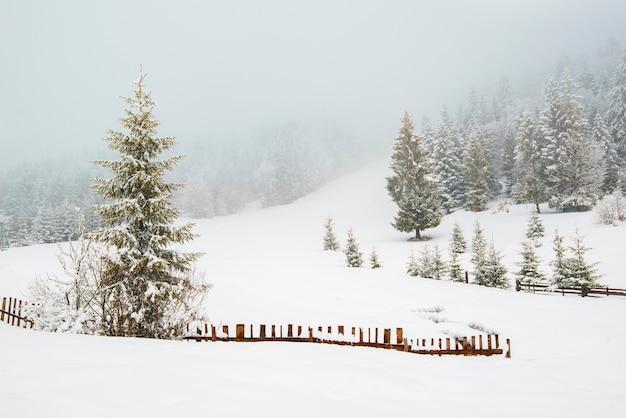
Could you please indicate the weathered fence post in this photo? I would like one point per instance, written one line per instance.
(273, 331)
(4, 303)
(399, 338)
(262, 331)
(508, 351)
(340, 329)
(240, 332)
(466, 276)
(289, 331)
(387, 336)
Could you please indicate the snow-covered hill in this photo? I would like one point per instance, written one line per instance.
(267, 266)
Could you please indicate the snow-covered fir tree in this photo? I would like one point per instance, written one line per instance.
(455, 272)
(374, 259)
(559, 264)
(413, 186)
(535, 229)
(479, 175)
(529, 271)
(354, 256)
(616, 114)
(447, 153)
(148, 287)
(611, 178)
(330, 239)
(430, 264)
(574, 174)
(458, 244)
(492, 272)
(578, 271)
(413, 266)
(479, 246)
(529, 184)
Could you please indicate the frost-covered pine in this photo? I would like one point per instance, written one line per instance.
(479, 245)
(354, 257)
(458, 244)
(439, 268)
(535, 229)
(447, 154)
(574, 172)
(529, 169)
(611, 179)
(330, 239)
(480, 179)
(578, 271)
(148, 286)
(492, 273)
(529, 271)
(414, 186)
(413, 266)
(455, 272)
(616, 114)
(559, 264)
(375, 259)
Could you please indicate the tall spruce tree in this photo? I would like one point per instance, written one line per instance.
(574, 172)
(535, 229)
(529, 171)
(616, 114)
(479, 176)
(148, 288)
(413, 186)
(447, 154)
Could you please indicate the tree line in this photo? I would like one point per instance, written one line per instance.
(567, 148)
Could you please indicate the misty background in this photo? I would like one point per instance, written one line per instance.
(226, 70)
(269, 100)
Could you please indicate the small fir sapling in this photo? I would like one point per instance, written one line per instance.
(529, 266)
(330, 239)
(375, 259)
(354, 257)
(458, 244)
(535, 229)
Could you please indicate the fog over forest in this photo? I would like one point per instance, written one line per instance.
(222, 71)
(270, 100)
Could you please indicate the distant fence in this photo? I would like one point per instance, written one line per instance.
(580, 291)
(11, 313)
(481, 345)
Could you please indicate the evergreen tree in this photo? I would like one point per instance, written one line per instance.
(559, 264)
(413, 267)
(330, 240)
(455, 272)
(439, 267)
(529, 171)
(479, 175)
(579, 272)
(492, 272)
(430, 264)
(529, 266)
(575, 170)
(535, 229)
(458, 244)
(479, 249)
(148, 288)
(610, 160)
(413, 186)
(374, 259)
(616, 114)
(447, 154)
(354, 257)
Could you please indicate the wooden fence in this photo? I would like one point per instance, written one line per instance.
(11, 313)
(581, 291)
(481, 345)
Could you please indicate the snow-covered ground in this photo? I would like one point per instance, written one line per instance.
(267, 266)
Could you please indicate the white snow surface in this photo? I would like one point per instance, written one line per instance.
(268, 267)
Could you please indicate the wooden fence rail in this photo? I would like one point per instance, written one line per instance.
(481, 345)
(11, 313)
(581, 291)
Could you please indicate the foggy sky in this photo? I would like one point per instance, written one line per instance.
(218, 68)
